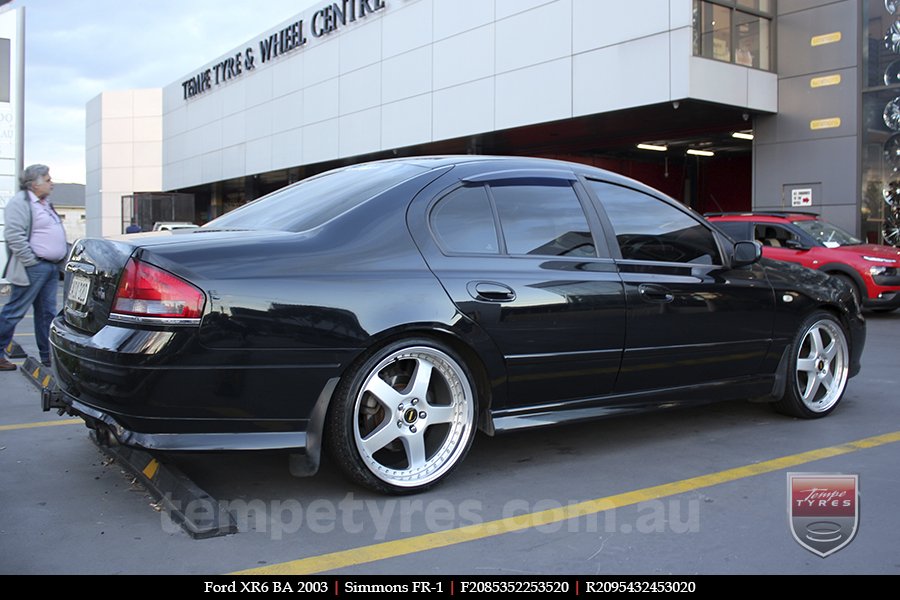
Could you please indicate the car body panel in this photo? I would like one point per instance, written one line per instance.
(290, 315)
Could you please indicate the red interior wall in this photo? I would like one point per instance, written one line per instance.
(725, 183)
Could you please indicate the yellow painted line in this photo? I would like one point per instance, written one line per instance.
(46, 380)
(151, 469)
(442, 539)
(18, 426)
(36, 373)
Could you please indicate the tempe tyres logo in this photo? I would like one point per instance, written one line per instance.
(823, 510)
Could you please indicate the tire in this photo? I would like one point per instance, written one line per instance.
(818, 368)
(404, 417)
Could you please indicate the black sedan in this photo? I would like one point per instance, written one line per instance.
(386, 311)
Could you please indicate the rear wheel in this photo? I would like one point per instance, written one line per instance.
(818, 368)
(404, 418)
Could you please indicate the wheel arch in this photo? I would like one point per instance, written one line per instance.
(853, 274)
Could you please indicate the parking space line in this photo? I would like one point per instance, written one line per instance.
(18, 426)
(441, 539)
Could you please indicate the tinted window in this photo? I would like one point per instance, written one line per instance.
(649, 229)
(544, 220)
(463, 222)
(317, 200)
(737, 230)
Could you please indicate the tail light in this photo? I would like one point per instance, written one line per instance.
(148, 292)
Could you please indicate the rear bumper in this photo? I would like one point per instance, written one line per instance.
(162, 390)
(194, 442)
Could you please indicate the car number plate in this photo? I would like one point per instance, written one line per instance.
(78, 291)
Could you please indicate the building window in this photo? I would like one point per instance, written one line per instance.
(735, 31)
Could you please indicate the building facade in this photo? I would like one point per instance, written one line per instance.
(723, 104)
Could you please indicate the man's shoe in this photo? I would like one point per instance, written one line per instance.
(5, 365)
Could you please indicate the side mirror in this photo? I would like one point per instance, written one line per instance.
(746, 252)
(795, 245)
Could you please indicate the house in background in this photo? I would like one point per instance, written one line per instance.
(68, 200)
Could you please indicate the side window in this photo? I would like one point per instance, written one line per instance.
(738, 230)
(463, 222)
(772, 235)
(544, 220)
(649, 229)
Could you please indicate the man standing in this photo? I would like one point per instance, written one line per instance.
(36, 243)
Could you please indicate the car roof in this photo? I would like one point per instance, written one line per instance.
(509, 163)
(770, 216)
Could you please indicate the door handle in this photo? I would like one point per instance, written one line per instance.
(655, 293)
(489, 291)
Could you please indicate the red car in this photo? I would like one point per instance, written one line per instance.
(871, 270)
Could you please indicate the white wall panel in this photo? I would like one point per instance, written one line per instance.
(287, 148)
(406, 75)
(534, 36)
(406, 123)
(599, 24)
(321, 141)
(505, 8)
(147, 103)
(360, 132)
(233, 161)
(287, 76)
(147, 154)
(622, 76)
(210, 166)
(359, 45)
(360, 89)
(762, 90)
(289, 110)
(457, 16)
(234, 129)
(258, 157)
(406, 29)
(117, 155)
(233, 100)
(261, 90)
(321, 62)
(320, 102)
(147, 129)
(717, 81)
(463, 109)
(534, 95)
(681, 13)
(209, 137)
(464, 57)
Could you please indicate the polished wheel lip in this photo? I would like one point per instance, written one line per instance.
(399, 424)
(825, 365)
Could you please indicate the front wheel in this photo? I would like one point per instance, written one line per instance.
(404, 417)
(818, 368)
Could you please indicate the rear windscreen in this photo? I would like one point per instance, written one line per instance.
(317, 200)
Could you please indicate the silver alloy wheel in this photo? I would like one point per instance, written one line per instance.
(413, 416)
(822, 366)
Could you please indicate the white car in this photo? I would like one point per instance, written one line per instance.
(172, 225)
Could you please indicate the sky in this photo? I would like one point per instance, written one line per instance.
(76, 49)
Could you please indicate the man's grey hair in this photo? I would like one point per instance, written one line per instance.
(31, 174)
